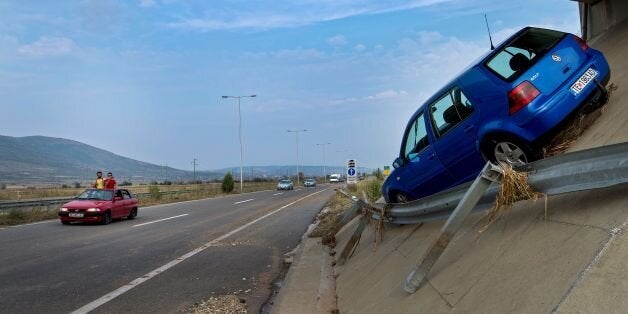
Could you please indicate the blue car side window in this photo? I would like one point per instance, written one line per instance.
(416, 139)
(450, 110)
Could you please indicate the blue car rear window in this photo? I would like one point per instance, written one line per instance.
(522, 52)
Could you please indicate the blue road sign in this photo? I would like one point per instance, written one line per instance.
(351, 172)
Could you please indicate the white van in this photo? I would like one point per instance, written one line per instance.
(334, 178)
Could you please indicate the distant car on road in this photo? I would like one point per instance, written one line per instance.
(502, 108)
(99, 206)
(334, 178)
(309, 183)
(285, 185)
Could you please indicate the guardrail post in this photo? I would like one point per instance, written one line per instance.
(355, 238)
(489, 174)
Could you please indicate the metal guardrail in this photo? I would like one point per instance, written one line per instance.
(577, 171)
(8, 205)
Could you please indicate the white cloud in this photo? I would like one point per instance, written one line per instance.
(48, 46)
(391, 93)
(430, 37)
(338, 40)
(230, 15)
(147, 3)
(359, 47)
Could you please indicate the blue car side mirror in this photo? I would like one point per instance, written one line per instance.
(399, 162)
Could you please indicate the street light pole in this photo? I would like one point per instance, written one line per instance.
(297, 133)
(324, 165)
(240, 134)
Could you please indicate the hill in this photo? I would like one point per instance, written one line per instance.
(40, 159)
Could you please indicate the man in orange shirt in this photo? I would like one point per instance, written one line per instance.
(110, 182)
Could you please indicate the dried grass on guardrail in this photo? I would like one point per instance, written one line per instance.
(514, 188)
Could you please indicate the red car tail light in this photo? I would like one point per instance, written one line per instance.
(521, 96)
(581, 42)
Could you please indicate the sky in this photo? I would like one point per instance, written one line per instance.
(144, 79)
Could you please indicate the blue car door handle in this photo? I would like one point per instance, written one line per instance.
(432, 156)
(468, 129)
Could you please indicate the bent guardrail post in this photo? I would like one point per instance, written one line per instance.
(346, 217)
(489, 174)
(355, 238)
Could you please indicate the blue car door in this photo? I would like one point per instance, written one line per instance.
(424, 174)
(454, 123)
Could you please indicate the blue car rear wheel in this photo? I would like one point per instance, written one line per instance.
(510, 151)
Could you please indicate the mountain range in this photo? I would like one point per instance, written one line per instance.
(41, 159)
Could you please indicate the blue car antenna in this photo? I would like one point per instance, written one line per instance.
(489, 32)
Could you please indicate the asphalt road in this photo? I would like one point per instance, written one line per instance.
(190, 252)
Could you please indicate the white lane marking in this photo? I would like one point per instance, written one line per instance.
(277, 193)
(115, 293)
(240, 202)
(154, 221)
(204, 199)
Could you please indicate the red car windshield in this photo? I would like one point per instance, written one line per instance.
(102, 195)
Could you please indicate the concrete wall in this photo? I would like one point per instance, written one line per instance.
(598, 16)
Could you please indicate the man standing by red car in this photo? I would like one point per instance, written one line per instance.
(110, 182)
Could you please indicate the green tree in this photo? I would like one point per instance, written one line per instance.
(227, 183)
(154, 192)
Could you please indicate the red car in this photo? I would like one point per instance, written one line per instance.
(99, 206)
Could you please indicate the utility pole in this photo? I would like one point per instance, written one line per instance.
(297, 133)
(324, 165)
(194, 163)
(166, 175)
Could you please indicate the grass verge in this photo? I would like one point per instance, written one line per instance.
(16, 217)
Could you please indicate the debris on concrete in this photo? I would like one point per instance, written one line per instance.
(224, 304)
(329, 215)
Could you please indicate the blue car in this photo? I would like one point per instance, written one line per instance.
(502, 108)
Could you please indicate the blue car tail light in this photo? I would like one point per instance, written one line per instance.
(581, 42)
(521, 96)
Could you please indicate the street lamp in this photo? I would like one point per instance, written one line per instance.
(297, 133)
(324, 165)
(240, 133)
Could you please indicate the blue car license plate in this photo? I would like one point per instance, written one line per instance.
(583, 81)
